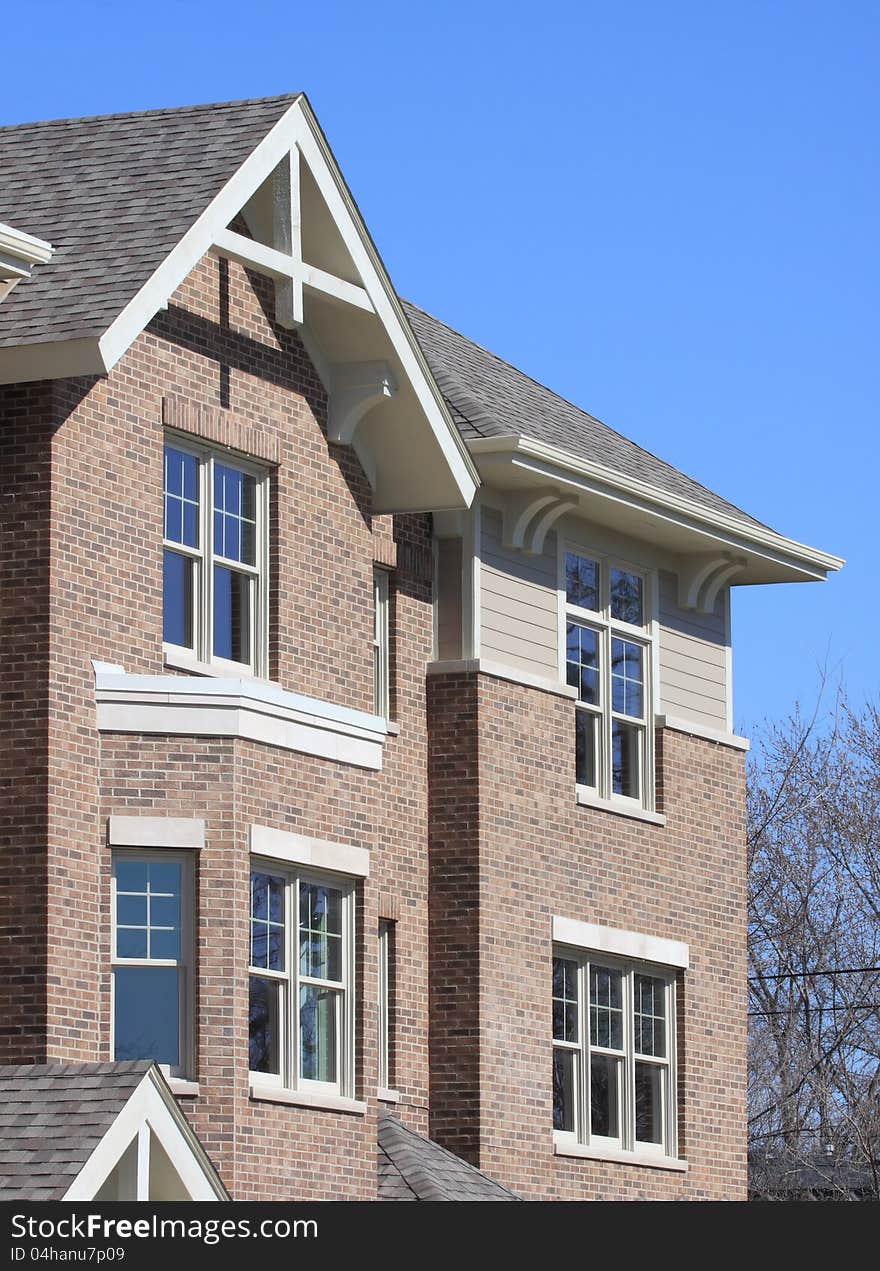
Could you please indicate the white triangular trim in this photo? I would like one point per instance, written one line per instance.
(298, 128)
(151, 1104)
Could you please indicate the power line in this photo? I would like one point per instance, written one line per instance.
(816, 1007)
(796, 975)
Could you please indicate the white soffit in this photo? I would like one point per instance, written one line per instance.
(741, 553)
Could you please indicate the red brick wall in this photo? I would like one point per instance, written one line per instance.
(93, 452)
(531, 853)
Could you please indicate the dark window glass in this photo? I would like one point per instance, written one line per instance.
(232, 615)
(649, 1103)
(564, 1067)
(626, 597)
(146, 1014)
(317, 1033)
(606, 1007)
(565, 1000)
(586, 725)
(604, 1096)
(177, 599)
(264, 1042)
(626, 677)
(581, 581)
(625, 746)
(267, 921)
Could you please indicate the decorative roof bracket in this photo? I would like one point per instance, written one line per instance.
(529, 515)
(355, 389)
(701, 579)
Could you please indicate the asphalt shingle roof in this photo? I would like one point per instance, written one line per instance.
(52, 1117)
(113, 194)
(411, 1167)
(488, 397)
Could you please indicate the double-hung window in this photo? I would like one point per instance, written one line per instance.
(613, 1053)
(301, 1008)
(152, 959)
(608, 661)
(385, 1002)
(381, 644)
(215, 558)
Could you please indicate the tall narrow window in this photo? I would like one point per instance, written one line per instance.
(385, 1002)
(607, 660)
(301, 1009)
(613, 1083)
(215, 558)
(152, 959)
(381, 645)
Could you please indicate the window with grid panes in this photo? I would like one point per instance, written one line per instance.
(613, 1053)
(608, 662)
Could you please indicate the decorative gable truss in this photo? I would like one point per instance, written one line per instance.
(331, 286)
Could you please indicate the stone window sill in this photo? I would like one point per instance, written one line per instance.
(563, 1146)
(587, 799)
(387, 1096)
(180, 1087)
(307, 1099)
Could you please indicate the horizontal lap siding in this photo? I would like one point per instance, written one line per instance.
(518, 603)
(693, 660)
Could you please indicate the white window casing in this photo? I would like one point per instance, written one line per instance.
(381, 644)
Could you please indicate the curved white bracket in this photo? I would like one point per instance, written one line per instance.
(356, 387)
(701, 579)
(528, 515)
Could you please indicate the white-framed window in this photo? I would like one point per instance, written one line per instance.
(381, 644)
(608, 656)
(152, 958)
(385, 1001)
(215, 557)
(614, 1081)
(301, 1000)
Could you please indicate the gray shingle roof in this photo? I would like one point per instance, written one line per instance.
(52, 1117)
(411, 1167)
(113, 194)
(490, 398)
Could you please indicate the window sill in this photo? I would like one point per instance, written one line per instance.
(587, 799)
(307, 1099)
(185, 1088)
(387, 1096)
(393, 728)
(563, 1146)
(213, 670)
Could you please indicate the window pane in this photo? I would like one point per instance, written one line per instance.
(320, 937)
(605, 1096)
(264, 1022)
(146, 1014)
(267, 921)
(586, 726)
(131, 911)
(131, 942)
(564, 1087)
(147, 908)
(626, 742)
(131, 875)
(606, 1007)
(649, 1103)
(581, 581)
(650, 1015)
(235, 505)
(177, 599)
(232, 615)
(317, 1025)
(582, 662)
(565, 1000)
(626, 598)
(626, 677)
(181, 497)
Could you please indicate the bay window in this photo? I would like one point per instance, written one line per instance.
(613, 1053)
(608, 647)
(301, 1008)
(214, 558)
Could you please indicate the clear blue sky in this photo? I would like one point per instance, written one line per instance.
(666, 212)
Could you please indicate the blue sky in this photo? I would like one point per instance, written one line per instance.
(667, 213)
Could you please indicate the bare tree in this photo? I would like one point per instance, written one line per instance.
(814, 955)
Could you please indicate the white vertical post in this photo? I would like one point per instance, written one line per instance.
(287, 238)
(143, 1162)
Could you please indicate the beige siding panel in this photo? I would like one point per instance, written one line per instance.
(449, 598)
(692, 659)
(518, 603)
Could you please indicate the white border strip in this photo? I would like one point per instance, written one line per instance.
(679, 725)
(156, 831)
(623, 944)
(299, 849)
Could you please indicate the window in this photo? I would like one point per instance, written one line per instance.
(301, 1009)
(613, 1053)
(381, 660)
(152, 959)
(608, 660)
(214, 590)
(385, 1000)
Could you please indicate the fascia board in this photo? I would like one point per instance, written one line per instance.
(551, 463)
(24, 247)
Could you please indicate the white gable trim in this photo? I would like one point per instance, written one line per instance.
(151, 1105)
(298, 129)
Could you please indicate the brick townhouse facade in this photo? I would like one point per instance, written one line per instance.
(367, 751)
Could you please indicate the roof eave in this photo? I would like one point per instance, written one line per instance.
(538, 462)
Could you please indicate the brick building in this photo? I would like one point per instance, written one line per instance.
(366, 726)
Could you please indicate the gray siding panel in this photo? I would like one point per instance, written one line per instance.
(693, 660)
(518, 603)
